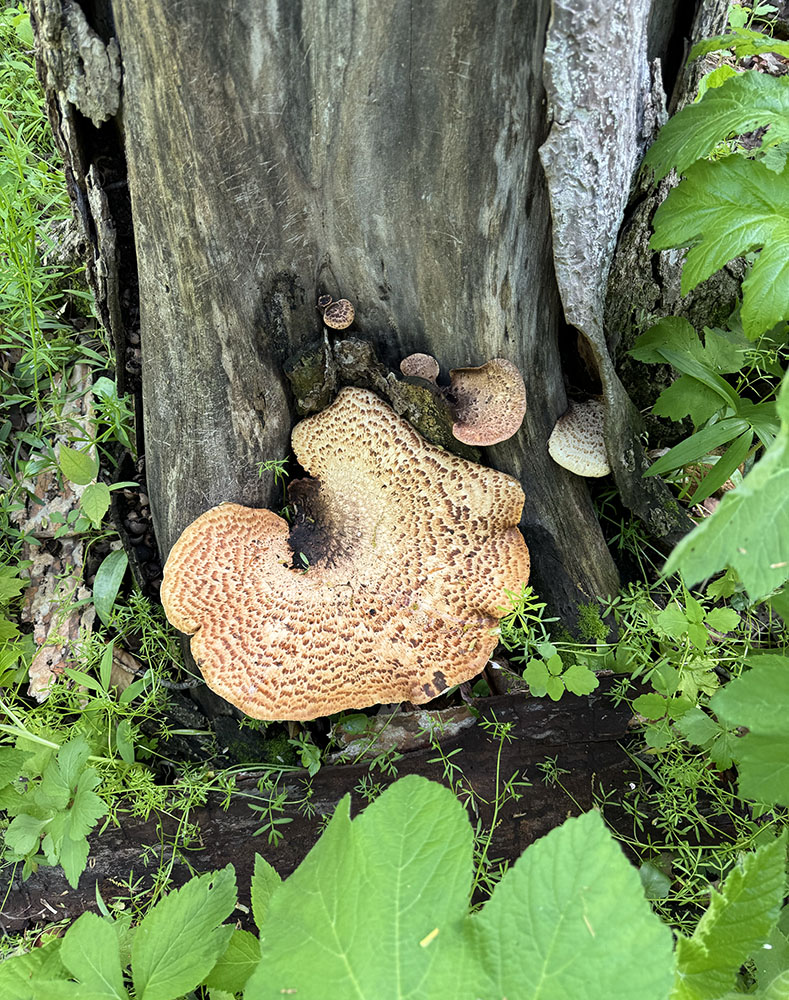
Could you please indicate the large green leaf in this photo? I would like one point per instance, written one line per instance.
(79, 466)
(348, 922)
(759, 700)
(741, 104)
(91, 954)
(724, 209)
(743, 42)
(179, 941)
(109, 577)
(379, 911)
(750, 529)
(569, 919)
(736, 923)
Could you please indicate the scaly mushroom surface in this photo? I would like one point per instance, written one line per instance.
(577, 441)
(489, 402)
(408, 553)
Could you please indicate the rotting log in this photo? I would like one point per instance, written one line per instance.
(583, 734)
(265, 152)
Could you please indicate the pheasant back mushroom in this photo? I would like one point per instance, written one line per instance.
(408, 552)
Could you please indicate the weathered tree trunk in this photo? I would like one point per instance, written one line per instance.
(277, 150)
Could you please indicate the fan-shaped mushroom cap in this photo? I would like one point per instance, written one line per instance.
(490, 402)
(338, 314)
(410, 550)
(577, 442)
(420, 366)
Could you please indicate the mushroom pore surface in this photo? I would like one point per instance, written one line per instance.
(410, 552)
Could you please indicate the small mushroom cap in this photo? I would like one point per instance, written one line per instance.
(410, 551)
(339, 314)
(324, 301)
(490, 402)
(420, 366)
(577, 442)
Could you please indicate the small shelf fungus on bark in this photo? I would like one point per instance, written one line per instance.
(488, 403)
(577, 441)
(409, 551)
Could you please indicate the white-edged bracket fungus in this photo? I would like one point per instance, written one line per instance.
(410, 551)
(577, 441)
(489, 402)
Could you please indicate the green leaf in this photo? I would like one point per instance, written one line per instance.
(106, 585)
(736, 922)
(723, 619)
(73, 858)
(743, 42)
(237, 964)
(400, 871)
(656, 883)
(124, 741)
(698, 445)
(265, 882)
(24, 833)
(741, 104)
(536, 676)
(697, 727)
(724, 209)
(11, 585)
(759, 700)
(554, 688)
(90, 953)
(569, 919)
(724, 468)
(95, 502)
(672, 621)
(651, 706)
(687, 397)
(750, 529)
(18, 972)
(86, 807)
(11, 764)
(79, 467)
(579, 679)
(179, 941)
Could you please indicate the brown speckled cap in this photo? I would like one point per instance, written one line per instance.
(420, 366)
(408, 549)
(338, 314)
(490, 402)
(577, 442)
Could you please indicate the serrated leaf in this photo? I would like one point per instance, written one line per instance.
(687, 397)
(179, 941)
(78, 467)
(265, 882)
(579, 679)
(107, 583)
(724, 209)
(672, 621)
(651, 706)
(697, 727)
(73, 858)
(90, 953)
(18, 972)
(759, 700)
(741, 104)
(566, 920)
(392, 876)
(237, 964)
(749, 531)
(95, 502)
(723, 619)
(86, 808)
(72, 758)
(736, 922)
(24, 833)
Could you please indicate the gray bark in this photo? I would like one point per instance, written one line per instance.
(387, 153)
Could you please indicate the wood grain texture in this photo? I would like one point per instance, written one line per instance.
(383, 152)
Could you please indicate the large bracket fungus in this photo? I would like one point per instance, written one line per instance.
(409, 551)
